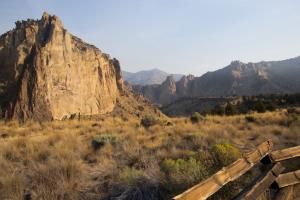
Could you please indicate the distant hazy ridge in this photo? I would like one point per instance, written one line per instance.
(236, 79)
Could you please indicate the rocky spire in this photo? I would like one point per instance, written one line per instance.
(47, 73)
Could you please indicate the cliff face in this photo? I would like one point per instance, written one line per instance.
(236, 79)
(158, 94)
(47, 73)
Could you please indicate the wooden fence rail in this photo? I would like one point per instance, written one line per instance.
(285, 154)
(262, 184)
(211, 185)
(285, 193)
(230, 173)
(288, 179)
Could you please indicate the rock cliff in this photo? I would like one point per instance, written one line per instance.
(47, 73)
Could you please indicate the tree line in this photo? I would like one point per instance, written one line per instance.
(259, 103)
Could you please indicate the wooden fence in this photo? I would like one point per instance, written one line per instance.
(271, 178)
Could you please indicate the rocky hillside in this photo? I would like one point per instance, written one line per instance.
(47, 73)
(236, 79)
(148, 77)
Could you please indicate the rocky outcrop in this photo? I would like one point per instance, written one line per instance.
(47, 73)
(158, 94)
(237, 79)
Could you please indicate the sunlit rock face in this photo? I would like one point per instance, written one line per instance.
(47, 73)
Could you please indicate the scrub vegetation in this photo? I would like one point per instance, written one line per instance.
(128, 158)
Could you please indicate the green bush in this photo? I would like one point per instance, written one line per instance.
(230, 109)
(291, 118)
(250, 118)
(219, 110)
(271, 106)
(260, 107)
(130, 176)
(149, 120)
(196, 117)
(182, 174)
(192, 136)
(193, 141)
(100, 140)
(225, 153)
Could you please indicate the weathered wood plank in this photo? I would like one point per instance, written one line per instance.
(285, 193)
(262, 184)
(230, 173)
(288, 179)
(285, 154)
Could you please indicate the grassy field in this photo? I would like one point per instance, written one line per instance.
(117, 157)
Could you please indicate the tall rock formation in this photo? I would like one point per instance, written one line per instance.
(158, 94)
(47, 73)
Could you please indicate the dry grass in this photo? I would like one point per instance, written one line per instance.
(56, 160)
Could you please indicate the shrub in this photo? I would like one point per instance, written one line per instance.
(196, 117)
(141, 108)
(56, 178)
(1, 113)
(230, 109)
(193, 141)
(145, 189)
(100, 140)
(218, 110)
(149, 120)
(291, 118)
(182, 174)
(291, 110)
(260, 107)
(250, 118)
(130, 176)
(192, 136)
(225, 153)
(271, 106)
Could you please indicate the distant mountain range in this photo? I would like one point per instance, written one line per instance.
(238, 79)
(148, 77)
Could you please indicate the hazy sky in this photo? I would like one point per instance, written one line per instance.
(178, 36)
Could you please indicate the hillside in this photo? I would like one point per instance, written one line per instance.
(148, 77)
(275, 77)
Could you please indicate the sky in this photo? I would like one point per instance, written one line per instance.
(177, 36)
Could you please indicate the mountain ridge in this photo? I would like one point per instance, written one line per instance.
(237, 78)
(148, 77)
